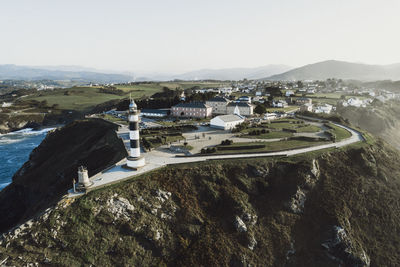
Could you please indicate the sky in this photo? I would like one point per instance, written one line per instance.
(182, 35)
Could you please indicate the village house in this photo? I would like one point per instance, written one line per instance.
(279, 104)
(303, 100)
(270, 116)
(245, 109)
(326, 108)
(306, 107)
(218, 105)
(191, 110)
(289, 93)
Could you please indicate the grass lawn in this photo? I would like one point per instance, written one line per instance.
(285, 123)
(271, 135)
(308, 129)
(340, 132)
(269, 146)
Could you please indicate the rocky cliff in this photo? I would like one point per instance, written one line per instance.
(336, 208)
(16, 121)
(53, 165)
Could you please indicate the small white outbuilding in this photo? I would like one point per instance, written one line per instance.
(226, 122)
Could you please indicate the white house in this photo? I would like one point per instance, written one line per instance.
(226, 122)
(270, 116)
(279, 104)
(324, 109)
(289, 93)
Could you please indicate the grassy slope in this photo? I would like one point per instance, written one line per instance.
(85, 98)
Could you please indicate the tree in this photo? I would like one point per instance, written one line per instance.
(300, 84)
(260, 109)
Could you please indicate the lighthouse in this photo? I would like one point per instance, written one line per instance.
(134, 160)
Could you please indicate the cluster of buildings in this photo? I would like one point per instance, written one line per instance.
(216, 106)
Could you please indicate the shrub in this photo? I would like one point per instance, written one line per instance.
(226, 142)
(289, 130)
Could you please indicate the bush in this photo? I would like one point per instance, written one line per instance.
(255, 132)
(289, 130)
(226, 142)
(331, 135)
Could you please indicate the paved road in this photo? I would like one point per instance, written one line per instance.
(159, 158)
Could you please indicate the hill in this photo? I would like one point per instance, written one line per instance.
(326, 209)
(232, 73)
(14, 72)
(341, 70)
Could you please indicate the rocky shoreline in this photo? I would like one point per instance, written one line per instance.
(18, 121)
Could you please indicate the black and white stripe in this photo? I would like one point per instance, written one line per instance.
(134, 130)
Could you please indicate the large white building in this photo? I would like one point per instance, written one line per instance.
(226, 122)
(218, 105)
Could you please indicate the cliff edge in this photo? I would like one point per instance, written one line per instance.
(52, 166)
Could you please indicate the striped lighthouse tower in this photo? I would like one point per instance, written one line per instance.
(134, 160)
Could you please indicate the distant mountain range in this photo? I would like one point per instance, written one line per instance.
(342, 70)
(317, 71)
(233, 73)
(58, 73)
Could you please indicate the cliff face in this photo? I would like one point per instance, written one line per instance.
(53, 165)
(337, 208)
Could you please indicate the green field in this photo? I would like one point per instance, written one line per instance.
(85, 98)
(77, 98)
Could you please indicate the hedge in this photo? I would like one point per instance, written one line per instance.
(222, 148)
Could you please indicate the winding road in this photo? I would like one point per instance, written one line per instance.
(156, 159)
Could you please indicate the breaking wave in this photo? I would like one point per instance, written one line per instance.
(15, 148)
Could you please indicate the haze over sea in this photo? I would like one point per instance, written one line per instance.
(15, 148)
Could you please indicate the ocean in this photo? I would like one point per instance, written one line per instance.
(15, 148)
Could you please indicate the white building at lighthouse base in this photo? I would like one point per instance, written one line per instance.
(134, 163)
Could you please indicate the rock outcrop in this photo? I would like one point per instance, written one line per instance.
(52, 166)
